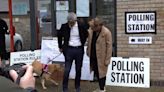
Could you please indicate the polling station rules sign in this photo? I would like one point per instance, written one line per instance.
(140, 22)
(130, 72)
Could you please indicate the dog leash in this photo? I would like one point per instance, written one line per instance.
(46, 65)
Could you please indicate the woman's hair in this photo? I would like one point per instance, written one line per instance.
(98, 21)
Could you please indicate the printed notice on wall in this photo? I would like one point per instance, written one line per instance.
(82, 8)
(20, 8)
(129, 72)
(62, 5)
(140, 22)
(61, 18)
(140, 40)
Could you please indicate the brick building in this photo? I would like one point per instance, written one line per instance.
(154, 51)
(113, 13)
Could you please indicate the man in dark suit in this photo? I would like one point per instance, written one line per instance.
(3, 31)
(71, 39)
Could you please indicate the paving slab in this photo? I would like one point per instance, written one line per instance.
(87, 86)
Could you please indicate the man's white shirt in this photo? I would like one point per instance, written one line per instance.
(74, 36)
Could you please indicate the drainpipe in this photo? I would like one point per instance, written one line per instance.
(53, 17)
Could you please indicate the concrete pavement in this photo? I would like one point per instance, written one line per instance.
(87, 86)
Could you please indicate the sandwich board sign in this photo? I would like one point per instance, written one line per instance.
(26, 57)
(129, 72)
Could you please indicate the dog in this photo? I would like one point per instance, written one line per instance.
(45, 74)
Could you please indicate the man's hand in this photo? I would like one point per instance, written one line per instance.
(27, 80)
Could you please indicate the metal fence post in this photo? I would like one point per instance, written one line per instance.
(33, 18)
(53, 17)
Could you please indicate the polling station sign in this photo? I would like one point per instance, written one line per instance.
(26, 57)
(140, 22)
(129, 72)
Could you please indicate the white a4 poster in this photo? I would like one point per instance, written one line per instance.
(82, 8)
(130, 72)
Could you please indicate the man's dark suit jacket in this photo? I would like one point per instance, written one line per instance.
(64, 35)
